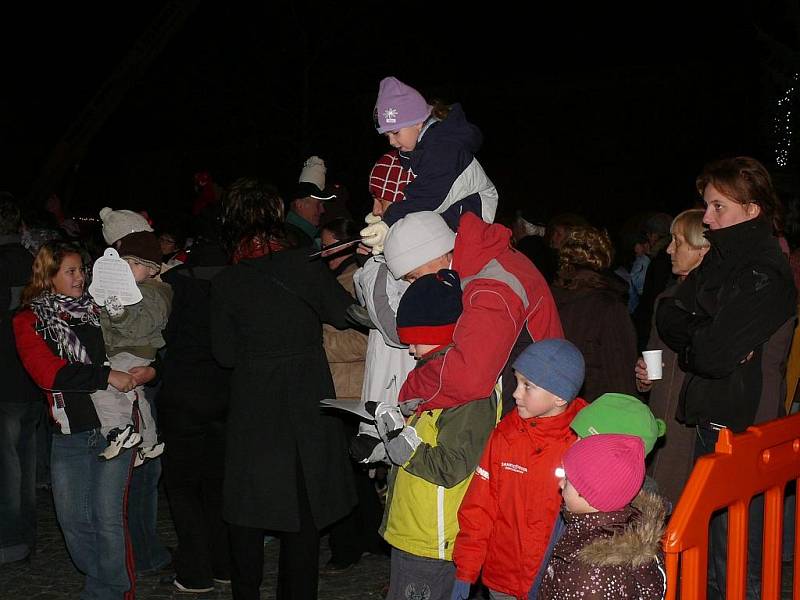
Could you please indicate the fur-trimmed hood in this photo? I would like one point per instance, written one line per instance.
(637, 543)
(609, 555)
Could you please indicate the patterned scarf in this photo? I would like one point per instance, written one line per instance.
(52, 313)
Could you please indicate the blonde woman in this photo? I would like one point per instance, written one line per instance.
(59, 339)
(672, 462)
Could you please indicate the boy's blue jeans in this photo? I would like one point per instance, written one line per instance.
(91, 505)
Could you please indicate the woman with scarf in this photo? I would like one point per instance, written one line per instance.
(59, 339)
(730, 323)
(286, 464)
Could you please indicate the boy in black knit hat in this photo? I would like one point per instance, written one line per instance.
(434, 453)
(132, 336)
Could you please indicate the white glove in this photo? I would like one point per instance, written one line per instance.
(114, 307)
(402, 447)
(370, 219)
(374, 235)
(388, 419)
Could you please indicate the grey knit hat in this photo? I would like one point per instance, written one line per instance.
(555, 365)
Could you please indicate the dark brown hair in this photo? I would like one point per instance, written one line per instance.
(744, 180)
(251, 209)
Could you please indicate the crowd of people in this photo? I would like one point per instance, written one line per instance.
(510, 435)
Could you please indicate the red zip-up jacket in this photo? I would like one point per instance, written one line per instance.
(512, 503)
(503, 292)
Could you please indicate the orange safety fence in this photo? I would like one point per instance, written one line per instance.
(762, 459)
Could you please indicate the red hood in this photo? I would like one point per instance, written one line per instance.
(478, 242)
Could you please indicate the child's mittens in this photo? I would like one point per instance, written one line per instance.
(409, 407)
(114, 307)
(366, 449)
(388, 419)
(460, 590)
(374, 234)
(402, 446)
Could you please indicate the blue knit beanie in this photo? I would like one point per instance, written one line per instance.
(553, 364)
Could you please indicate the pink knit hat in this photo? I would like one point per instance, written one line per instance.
(606, 469)
(388, 178)
(399, 105)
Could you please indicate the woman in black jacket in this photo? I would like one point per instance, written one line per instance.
(286, 468)
(730, 324)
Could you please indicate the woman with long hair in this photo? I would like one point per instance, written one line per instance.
(59, 339)
(286, 467)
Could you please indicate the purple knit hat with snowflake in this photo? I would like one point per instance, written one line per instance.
(399, 105)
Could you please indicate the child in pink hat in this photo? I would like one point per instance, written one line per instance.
(611, 548)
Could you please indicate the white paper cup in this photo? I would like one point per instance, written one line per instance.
(652, 358)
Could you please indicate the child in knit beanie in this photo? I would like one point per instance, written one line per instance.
(509, 513)
(438, 145)
(610, 548)
(434, 452)
(132, 337)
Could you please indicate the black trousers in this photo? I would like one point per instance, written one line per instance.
(298, 565)
(193, 470)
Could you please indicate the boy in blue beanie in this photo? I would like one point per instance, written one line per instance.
(508, 515)
(434, 453)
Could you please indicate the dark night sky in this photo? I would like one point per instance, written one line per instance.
(607, 110)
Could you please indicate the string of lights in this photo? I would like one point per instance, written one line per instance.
(783, 124)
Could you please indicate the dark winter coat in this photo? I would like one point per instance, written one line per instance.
(15, 271)
(741, 296)
(266, 323)
(595, 318)
(672, 459)
(609, 555)
(195, 389)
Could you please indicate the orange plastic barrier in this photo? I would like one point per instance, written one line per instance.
(762, 459)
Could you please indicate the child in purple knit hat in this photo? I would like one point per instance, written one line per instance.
(610, 548)
(437, 144)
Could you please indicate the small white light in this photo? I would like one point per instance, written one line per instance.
(560, 473)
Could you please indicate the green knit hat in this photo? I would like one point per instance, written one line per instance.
(619, 413)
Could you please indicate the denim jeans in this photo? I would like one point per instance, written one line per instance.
(91, 499)
(718, 536)
(150, 553)
(18, 479)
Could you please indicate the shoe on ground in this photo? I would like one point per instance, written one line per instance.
(153, 451)
(336, 568)
(186, 588)
(118, 440)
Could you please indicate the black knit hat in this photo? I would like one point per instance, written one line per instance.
(142, 246)
(429, 309)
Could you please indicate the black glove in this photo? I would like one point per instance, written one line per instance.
(365, 449)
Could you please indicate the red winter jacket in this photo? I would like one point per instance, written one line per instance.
(508, 514)
(502, 292)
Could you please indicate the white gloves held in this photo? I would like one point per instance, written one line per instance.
(374, 234)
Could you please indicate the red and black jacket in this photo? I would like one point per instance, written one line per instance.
(67, 385)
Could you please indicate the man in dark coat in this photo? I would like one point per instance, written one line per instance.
(286, 467)
(192, 406)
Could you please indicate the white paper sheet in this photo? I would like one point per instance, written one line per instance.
(112, 276)
(356, 408)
